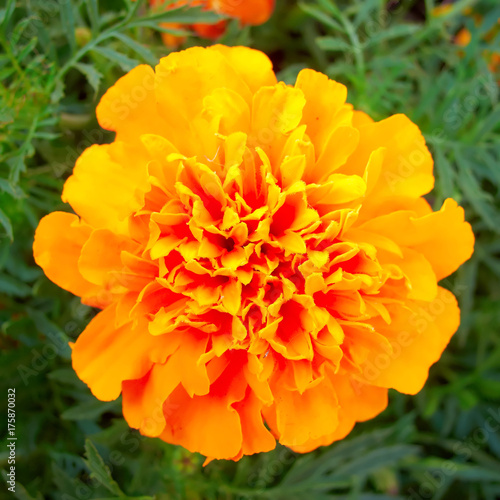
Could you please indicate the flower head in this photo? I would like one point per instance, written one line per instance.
(262, 254)
(248, 12)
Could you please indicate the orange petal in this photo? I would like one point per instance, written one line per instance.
(59, 239)
(248, 12)
(100, 260)
(212, 31)
(143, 399)
(217, 423)
(417, 341)
(358, 402)
(256, 438)
(443, 237)
(420, 275)
(304, 417)
(104, 356)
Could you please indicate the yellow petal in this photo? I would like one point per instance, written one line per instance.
(88, 189)
(324, 99)
(129, 107)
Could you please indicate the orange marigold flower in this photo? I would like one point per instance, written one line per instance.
(464, 36)
(264, 260)
(248, 12)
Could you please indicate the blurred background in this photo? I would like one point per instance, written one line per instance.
(437, 63)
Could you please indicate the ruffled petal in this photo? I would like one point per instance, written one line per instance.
(443, 237)
(406, 169)
(219, 430)
(104, 356)
(58, 244)
(107, 185)
(129, 106)
(248, 12)
(417, 340)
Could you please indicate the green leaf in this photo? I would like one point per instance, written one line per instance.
(13, 287)
(459, 471)
(376, 459)
(53, 333)
(396, 31)
(58, 92)
(367, 10)
(65, 376)
(28, 49)
(6, 14)
(64, 483)
(93, 12)
(125, 497)
(99, 470)
(6, 224)
(17, 165)
(68, 23)
(139, 49)
(18, 31)
(48, 136)
(490, 124)
(93, 76)
(321, 17)
(6, 73)
(90, 410)
(132, 7)
(479, 199)
(489, 388)
(467, 399)
(445, 173)
(335, 44)
(125, 63)
(180, 15)
(165, 28)
(329, 6)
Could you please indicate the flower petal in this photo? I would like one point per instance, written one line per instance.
(58, 244)
(104, 356)
(88, 189)
(417, 341)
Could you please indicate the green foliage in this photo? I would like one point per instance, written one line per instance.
(56, 60)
